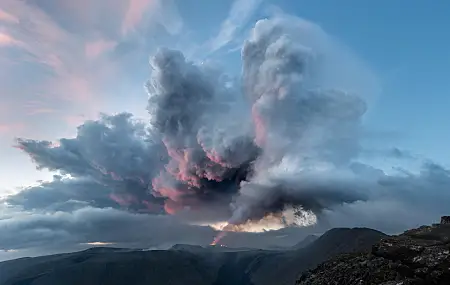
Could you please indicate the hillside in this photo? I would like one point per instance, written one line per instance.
(283, 268)
(306, 241)
(416, 257)
(184, 264)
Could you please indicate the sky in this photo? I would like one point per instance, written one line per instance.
(65, 62)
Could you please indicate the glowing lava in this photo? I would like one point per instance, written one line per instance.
(218, 238)
(271, 222)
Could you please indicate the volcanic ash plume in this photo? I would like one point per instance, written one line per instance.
(247, 149)
(209, 154)
(284, 142)
(307, 134)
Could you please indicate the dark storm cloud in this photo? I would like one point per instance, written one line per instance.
(398, 201)
(63, 195)
(113, 157)
(96, 225)
(191, 108)
(119, 143)
(39, 233)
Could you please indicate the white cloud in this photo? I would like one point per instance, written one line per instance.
(164, 12)
(240, 14)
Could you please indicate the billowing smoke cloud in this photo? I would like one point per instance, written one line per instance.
(256, 142)
(276, 145)
(284, 115)
(208, 154)
(114, 157)
(300, 127)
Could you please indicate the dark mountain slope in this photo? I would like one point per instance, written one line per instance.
(306, 241)
(184, 264)
(284, 268)
(137, 267)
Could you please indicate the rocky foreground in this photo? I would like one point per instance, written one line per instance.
(416, 257)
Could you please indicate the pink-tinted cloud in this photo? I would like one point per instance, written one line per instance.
(6, 17)
(135, 13)
(34, 107)
(98, 47)
(124, 200)
(164, 12)
(42, 111)
(80, 89)
(57, 69)
(60, 46)
(112, 17)
(9, 126)
(7, 40)
(72, 82)
(11, 129)
(86, 17)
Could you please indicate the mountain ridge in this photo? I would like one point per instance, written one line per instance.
(183, 264)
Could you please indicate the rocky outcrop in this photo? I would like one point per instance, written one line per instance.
(445, 220)
(416, 257)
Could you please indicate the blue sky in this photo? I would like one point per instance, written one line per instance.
(405, 43)
(86, 58)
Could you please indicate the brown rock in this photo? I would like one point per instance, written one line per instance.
(416, 257)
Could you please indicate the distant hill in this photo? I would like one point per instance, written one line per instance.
(185, 264)
(216, 248)
(285, 267)
(306, 241)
